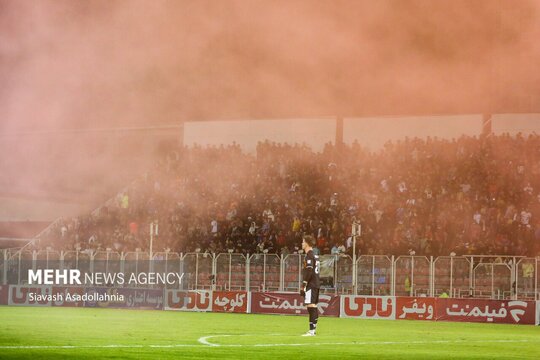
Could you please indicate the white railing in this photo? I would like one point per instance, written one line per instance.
(493, 277)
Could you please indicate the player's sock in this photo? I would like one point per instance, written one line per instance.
(315, 317)
(312, 314)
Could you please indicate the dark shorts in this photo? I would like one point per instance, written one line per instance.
(311, 297)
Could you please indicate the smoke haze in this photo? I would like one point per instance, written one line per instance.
(107, 64)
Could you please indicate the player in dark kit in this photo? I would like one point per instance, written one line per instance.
(311, 284)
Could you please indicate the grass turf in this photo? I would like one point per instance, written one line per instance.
(155, 334)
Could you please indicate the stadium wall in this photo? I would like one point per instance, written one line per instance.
(371, 132)
(374, 132)
(283, 303)
(516, 123)
(247, 133)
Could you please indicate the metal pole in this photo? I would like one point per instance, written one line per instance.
(107, 263)
(181, 270)
(214, 272)
(166, 263)
(123, 263)
(411, 287)
(536, 279)
(196, 271)
(91, 267)
(393, 280)
(247, 272)
(515, 275)
(356, 230)
(335, 274)
(493, 282)
(19, 270)
(471, 272)
(151, 238)
(230, 270)
(354, 268)
(281, 273)
(299, 271)
(4, 274)
(264, 272)
(431, 286)
(373, 275)
(451, 276)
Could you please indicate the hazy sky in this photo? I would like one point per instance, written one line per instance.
(68, 64)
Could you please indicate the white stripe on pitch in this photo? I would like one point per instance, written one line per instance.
(204, 343)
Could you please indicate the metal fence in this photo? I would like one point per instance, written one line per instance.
(490, 277)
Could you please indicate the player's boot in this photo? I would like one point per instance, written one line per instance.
(309, 333)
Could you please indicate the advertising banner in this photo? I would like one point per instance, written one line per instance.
(3, 295)
(489, 311)
(415, 308)
(538, 313)
(199, 300)
(67, 296)
(124, 298)
(21, 295)
(230, 301)
(291, 304)
(368, 307)
(143, 298)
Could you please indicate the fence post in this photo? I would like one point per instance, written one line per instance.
(214, 271)
(34, 259)
(514, 277)
(451, 276)
(91, 265)
(182, 285)
(281, 273)
(413, 286)
(431, 275)
(107, 262)
(248, 261)
(471, 277)
(299, 271)
(493, 282)
(393, 283)
(536, 279)
(230, 270)
(4, 273)
(264, 272)
(19, 268)
(122, 262)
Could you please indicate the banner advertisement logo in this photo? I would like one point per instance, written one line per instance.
(368, 307)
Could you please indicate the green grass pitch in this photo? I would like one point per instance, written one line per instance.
(83, 333)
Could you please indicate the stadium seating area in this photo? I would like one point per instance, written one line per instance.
(431, 196)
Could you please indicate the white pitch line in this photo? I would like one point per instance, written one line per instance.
(204, 343)
(95, 346)
(386, 343)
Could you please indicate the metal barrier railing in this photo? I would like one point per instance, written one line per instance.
(493, 277)
(375, 274)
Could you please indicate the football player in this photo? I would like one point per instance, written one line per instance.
(311, 283)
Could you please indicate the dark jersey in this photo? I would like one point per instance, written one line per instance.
(312, 267)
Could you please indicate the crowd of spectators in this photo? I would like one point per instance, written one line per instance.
(472, 195)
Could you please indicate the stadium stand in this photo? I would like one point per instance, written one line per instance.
(432, 196)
